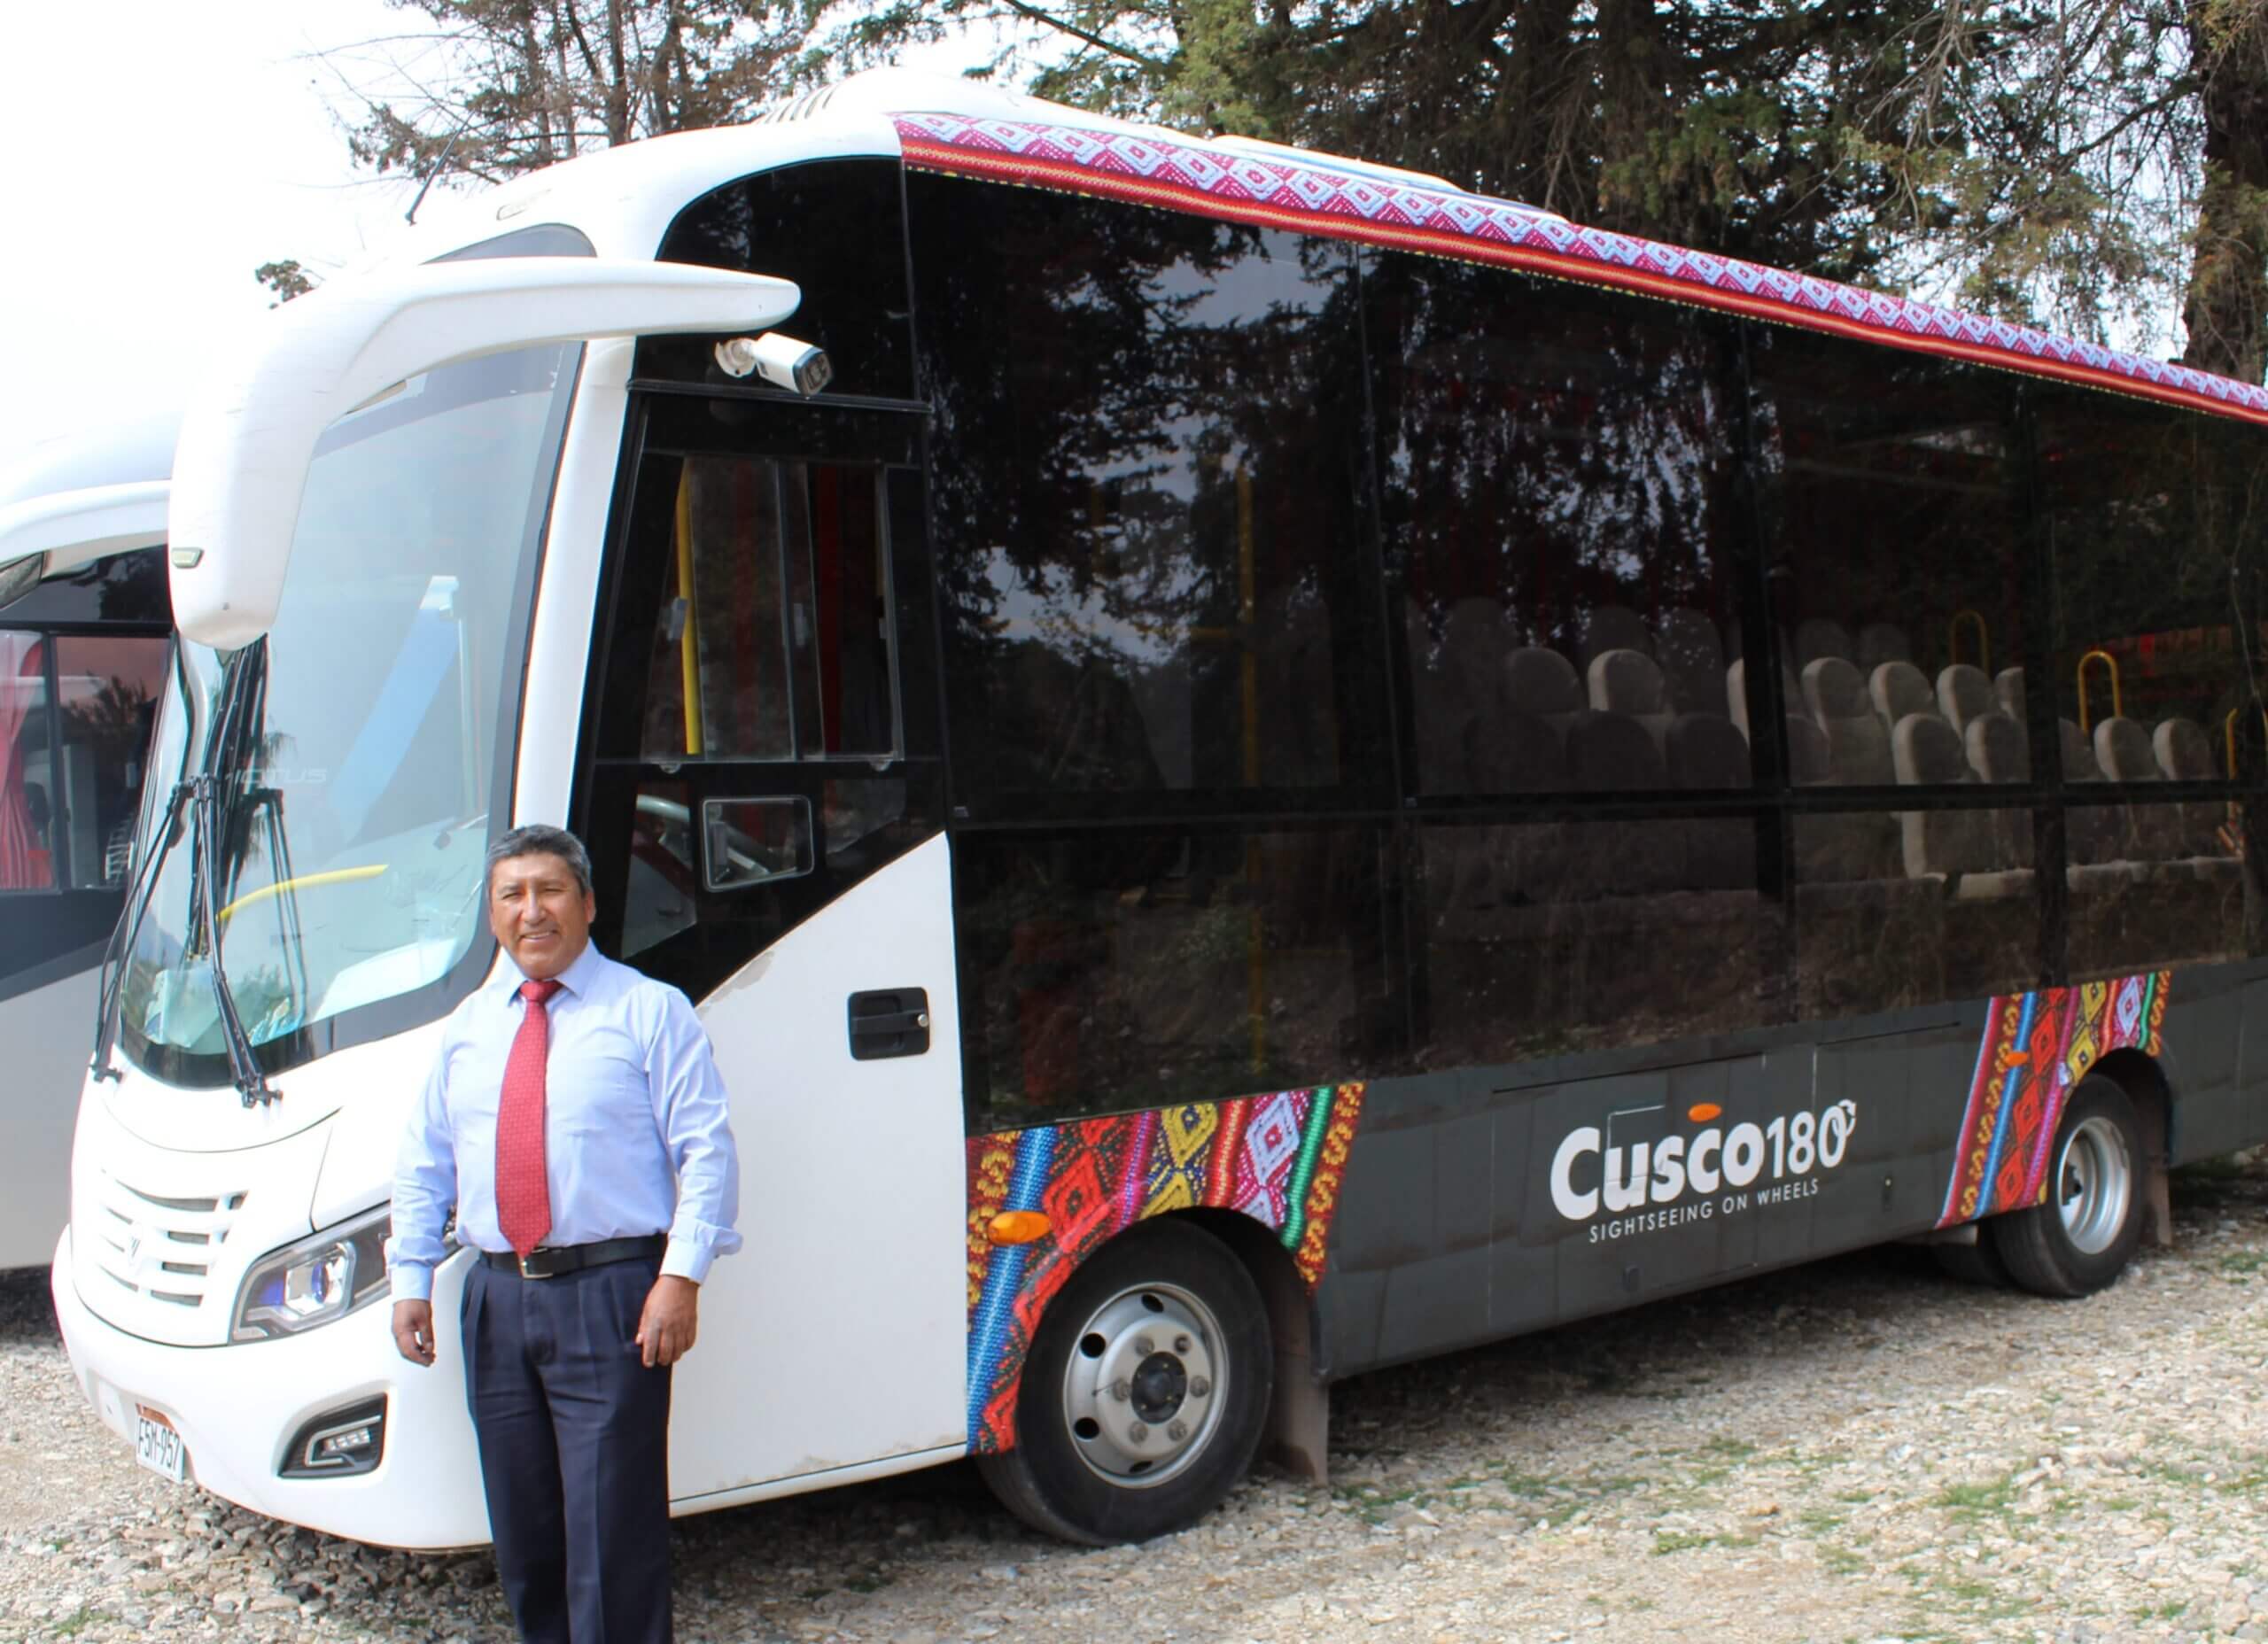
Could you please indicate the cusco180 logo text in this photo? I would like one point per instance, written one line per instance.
(1633, 1174)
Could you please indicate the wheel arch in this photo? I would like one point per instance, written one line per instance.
(1299, 1412)
(2143, 1079)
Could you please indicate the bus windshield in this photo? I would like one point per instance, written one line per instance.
(351, 785)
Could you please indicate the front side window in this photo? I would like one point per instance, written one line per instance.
(27, 766)
(1150, 490)
(358, 746)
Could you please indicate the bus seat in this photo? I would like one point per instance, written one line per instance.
(1692, 660)
(2186, 754)
(1964, 693)
(1858, 743)
(1791, 696)
(1954, 845)
(2090, 833)
(1897, 689)
(1613, 753)
(2008, 685)
(1999, 752)
(2123, 749)
(1807, 762)
(1817, 637)
(1613, 628)
(1474, 641)
(1437, 724)
(1627, 682)
(1881, 642)
(1542, 682)
(1707, 751)
(1517, 752)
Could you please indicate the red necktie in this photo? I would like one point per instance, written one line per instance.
(522, 1197)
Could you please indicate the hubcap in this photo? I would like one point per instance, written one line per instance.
(2094, 1185)
(1142, 1391)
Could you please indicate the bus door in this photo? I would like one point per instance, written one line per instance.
(762, 792)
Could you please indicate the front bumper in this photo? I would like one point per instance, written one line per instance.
(238, 1406)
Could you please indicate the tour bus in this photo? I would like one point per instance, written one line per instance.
(83, 648)
(1258, 767)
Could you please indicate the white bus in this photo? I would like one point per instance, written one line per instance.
(1258, 767)
(83, 648)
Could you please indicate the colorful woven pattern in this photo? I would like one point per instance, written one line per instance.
(1276, 1158)
(2037, 1047)
(1220, 183)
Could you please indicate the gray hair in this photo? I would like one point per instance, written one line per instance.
(537, 840)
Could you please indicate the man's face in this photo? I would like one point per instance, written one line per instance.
(538, 913)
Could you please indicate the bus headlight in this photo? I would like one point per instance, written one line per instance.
(324, 1277)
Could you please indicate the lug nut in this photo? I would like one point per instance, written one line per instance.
(1198, 1387)
(1143, 1346)
(1118, 1390)
(1137, 1432)
(1181, 1343)
(1177, 1430)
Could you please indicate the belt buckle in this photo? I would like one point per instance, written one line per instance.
(526, 1272)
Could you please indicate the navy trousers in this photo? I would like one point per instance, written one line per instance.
(574, 1451)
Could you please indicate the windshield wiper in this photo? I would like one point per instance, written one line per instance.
(242, 686)
(143, 885)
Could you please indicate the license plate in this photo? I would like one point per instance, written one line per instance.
(158, 1446)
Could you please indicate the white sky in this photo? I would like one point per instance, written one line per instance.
(155, 153)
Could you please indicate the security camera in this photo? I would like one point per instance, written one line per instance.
(778, 360)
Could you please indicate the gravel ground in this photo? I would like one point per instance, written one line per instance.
(1857, 1450)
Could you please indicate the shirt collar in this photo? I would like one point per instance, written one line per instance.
(576, 978)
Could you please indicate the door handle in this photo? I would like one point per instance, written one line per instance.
(891, 1022)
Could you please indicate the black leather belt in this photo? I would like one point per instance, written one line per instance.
(549, 1262)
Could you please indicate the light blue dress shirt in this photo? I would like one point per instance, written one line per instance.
(637, 1135)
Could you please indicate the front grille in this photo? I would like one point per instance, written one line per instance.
(158, 1245)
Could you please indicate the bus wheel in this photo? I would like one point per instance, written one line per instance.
(2082, 1234)
(1143, 1395)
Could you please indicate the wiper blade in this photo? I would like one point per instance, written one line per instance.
(244, 671)
(143, 886)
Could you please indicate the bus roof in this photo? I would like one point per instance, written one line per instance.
(624, 198)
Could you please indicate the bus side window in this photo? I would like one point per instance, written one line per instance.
(27, 766)
(110, 688)
(770, 639)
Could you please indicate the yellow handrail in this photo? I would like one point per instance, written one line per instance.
(303, 881)
(1983, 638)
(2117, 698)
(688, 653)
(2228, 735)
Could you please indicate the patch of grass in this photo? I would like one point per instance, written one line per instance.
(72, 1625)
(2242, 1264)
(1841, 1561)
(1977, 1500)
(2170, 1611)
(1666, 1542)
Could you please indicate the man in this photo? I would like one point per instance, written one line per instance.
(575, 1123)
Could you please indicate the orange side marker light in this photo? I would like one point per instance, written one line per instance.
(1702, 1113)
(1016, 1226)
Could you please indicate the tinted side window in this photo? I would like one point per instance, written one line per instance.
(1896, 541)
(1559, 496)
(1138, 967)
(1150, 498)
(27, 766)
(124, 587)
(835, 228)
(109, 686)
(2157, 534)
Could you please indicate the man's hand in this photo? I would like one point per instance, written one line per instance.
(667, 1326)
(413, 1330)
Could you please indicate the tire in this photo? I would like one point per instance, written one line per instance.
(2083, 1235)
(1161, 1330)
(1975, 1264)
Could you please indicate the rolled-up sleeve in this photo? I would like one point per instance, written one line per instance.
(694, 1117)
(424, 1189)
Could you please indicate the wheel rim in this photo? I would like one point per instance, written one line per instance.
(2094, 1185)
(1144, 1387)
